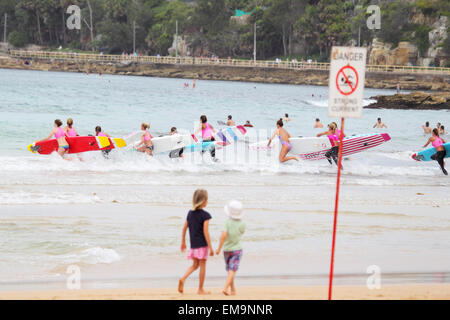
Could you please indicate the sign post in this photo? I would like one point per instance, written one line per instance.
(345, 100)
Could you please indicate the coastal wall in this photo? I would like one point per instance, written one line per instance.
(380, 80)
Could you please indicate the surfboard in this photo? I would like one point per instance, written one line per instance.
(171, 142)
(425, 155)
(314, 148)
(229, 134)
(76, 144)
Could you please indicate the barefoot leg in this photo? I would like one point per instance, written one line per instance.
(202, 277)
(189, 271)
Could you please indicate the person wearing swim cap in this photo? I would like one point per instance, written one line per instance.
(332, 134)
(146, 144)
(284, 136)
(438, 144)
(69, 130)
(58, 132)
(208, 133)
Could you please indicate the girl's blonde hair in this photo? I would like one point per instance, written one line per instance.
(199, 199)
(146, 125)
(70, 123)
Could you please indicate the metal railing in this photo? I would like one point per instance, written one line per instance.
(276, 64)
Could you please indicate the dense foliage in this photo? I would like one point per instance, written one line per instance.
(306, 28)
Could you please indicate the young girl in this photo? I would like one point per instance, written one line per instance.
(146, 144)
(69, 130)
(100, 133)
(333, 135)
(60, 136)
(438, 144)
(198, 223)
(230, 240)
(284, 140)
(208, 133)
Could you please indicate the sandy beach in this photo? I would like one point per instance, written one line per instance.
(402, 292)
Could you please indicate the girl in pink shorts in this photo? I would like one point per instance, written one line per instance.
(198, 222)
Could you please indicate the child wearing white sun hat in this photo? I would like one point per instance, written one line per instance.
(230, 240)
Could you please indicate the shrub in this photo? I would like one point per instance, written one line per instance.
(17, 39)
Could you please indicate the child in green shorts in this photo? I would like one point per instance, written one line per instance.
(230, 240)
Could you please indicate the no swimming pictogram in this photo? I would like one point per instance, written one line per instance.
(347, 80)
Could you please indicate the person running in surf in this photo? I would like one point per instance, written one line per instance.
(284, 136)
(438, 144)
(146, 144)
(69, 130)
(334, 139)
(58, 132)
(100, 133)
(208, 133)
(177, 153)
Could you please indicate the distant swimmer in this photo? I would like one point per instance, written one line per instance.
(438, 144)
(248, 124)
(318, 124)
(333, 135)
(379, 124)
(286, 117)
(194, 83)
(284, 136)
(426, 128)
(208, 133)
(177, 153)
(146, 144)
(69, 130)
(230, 121)
(60, 136)
(442, 131)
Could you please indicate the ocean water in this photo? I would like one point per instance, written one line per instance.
(121, 218)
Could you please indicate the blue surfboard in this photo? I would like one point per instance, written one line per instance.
(425, 155)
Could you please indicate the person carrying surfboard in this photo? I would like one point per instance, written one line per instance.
(438, 144)
(59, 134)
(333, 135)
(146, 144)
(284, 136)
(69, 130)
(208, 133)
(177, 153)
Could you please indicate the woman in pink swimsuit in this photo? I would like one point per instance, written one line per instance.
(333, 134)
(208, 133)
(59, 134)
(69, 130)
(284, 136)
(438, 144)
(146, 144)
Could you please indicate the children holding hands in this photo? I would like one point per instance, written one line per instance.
(197, 222)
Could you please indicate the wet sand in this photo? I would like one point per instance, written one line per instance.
(401, 292)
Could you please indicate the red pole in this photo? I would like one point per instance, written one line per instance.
(330, 286)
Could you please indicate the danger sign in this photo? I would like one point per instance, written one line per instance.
(346, 85)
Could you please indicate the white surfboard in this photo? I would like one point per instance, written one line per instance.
(171, 142)
(314, 148)
(133, 138)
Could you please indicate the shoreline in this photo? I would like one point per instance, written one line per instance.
(400, 292)
(375, 80)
